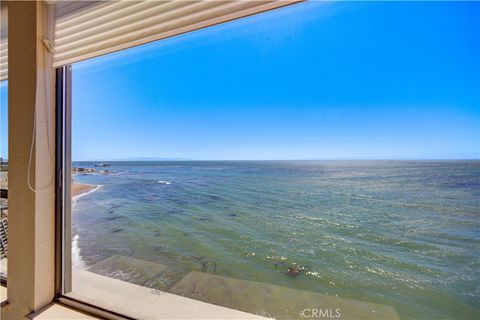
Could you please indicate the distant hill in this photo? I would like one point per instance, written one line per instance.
(136, 159)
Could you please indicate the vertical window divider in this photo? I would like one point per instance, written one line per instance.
(63, 258)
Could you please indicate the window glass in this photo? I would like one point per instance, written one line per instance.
(3, 177)
(317, 161)
(3, 148)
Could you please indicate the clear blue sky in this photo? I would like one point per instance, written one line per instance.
(4, 119)
(311, 81)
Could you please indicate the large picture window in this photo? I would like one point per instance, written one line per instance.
(313, 160)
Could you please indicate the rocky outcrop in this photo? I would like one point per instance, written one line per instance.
(83, 170)
(103, 165)
(80, 170)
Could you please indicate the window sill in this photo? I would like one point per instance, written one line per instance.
(141, 302)
(57, 311)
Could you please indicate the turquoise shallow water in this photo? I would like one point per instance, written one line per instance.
(400, 233)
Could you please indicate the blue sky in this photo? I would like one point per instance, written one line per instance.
(4, 119)
(311, 81)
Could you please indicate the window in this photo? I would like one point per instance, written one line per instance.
(4, 179)
(3, 148)
(285, 165)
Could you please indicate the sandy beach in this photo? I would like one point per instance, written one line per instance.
(81, 188)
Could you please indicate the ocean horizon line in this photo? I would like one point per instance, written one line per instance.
(265, 160)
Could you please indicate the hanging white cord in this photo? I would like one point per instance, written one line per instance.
(47, 47)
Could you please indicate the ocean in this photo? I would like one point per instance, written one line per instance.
(405, 234)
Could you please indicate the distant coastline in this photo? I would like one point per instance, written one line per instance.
(399, 159)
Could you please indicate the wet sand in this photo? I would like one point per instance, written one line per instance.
(81, 188)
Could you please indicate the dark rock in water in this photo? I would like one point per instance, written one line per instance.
(294, 271)
(83, 170)
(204, 219)
(209, 265)
(214, 197)
(179, 202)
(232, 214)
(112, 218)
(103, 165)
(116, 230)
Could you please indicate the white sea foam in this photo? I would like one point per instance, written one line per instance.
(78, 196)
(164, 182)
(76, 256)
